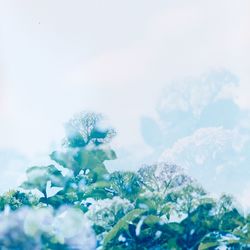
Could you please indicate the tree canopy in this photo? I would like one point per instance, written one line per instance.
(77, 203)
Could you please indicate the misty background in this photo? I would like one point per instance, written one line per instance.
(171, 76)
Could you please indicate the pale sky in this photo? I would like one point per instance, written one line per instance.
(165, 73)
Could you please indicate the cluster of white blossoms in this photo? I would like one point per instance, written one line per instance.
(27, 228)
(104, 213)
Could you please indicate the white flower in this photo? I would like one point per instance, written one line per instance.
(104, 212)
(27, 227)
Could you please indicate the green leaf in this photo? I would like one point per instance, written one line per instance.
(122, 224)
(38, 176)
(151, 220)
(98, 190)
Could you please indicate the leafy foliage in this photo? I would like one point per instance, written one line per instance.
(157, 207)
(15, 199)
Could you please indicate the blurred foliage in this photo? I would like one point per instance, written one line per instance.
(157, 207)
(15, 199)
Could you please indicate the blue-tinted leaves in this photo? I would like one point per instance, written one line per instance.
(86, 129)
(220, 239)
(126, 184)
(83, 159)
(39, 176)
(99, 190)
(121, 227)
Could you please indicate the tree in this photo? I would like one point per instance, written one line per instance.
(85, 129)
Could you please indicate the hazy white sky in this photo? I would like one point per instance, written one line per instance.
(116, 57)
